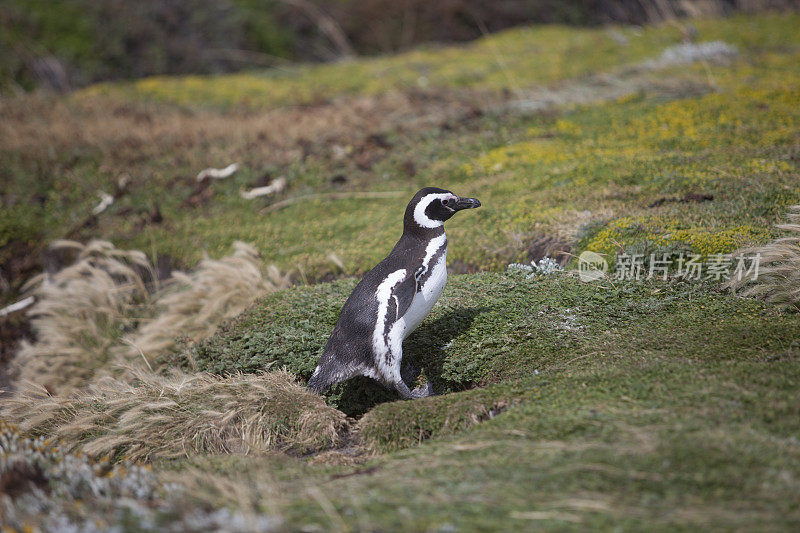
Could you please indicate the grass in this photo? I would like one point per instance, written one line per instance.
(90, 493)
(573, 405)
(712, 130)
(777, 282)
(180, 414)
(82, 312)
(513, 59)
(562, 405)
(634, 446)
(106, 309)
(491, 328)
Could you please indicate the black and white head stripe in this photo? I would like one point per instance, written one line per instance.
(420, 215)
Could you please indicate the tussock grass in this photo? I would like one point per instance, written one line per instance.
(778, 280)
(85, 322)
(81, 312)
(194, 304)
(86, 315)
(177, 415)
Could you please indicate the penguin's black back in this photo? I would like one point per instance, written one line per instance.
(349, 348)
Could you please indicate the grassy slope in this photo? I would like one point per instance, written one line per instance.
(559, 174)
(655, 405)
(587, 175)
(510, 60)
(635, 405)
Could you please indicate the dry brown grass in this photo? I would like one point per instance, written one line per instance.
(134, 135)
(194, 304)
(78, 384)
(80, 313)
(178, 415)
(778, 280)
(83, 312)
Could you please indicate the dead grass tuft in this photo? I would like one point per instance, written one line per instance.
(86, 315)
(81, 318)
(193, 305)
(156, 416)
(778, 280)
(81, 312)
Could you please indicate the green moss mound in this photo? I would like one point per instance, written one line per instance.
(396, 425)
(499, 327)
(612, 404)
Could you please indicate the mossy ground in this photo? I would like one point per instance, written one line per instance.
(586, 174)
(563, 404)
(511, 60)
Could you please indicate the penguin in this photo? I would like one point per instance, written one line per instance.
(392, 299)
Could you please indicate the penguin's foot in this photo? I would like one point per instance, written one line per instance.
(423, 391)
(403, 389)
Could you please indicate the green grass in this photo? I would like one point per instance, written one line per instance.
(512, 59)
(489, 328)
(563, 405)
(568, 405)
(586, 174)
(600, 164)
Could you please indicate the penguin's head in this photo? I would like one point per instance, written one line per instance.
(431, 206)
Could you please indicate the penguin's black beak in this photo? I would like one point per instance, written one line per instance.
(467, 203)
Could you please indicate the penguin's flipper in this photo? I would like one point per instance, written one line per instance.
(402, 296)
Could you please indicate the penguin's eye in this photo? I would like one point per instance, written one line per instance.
(447, 202)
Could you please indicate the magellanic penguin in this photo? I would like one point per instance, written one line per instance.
(392, 299)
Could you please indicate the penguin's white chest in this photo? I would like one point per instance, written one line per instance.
(427, 296)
